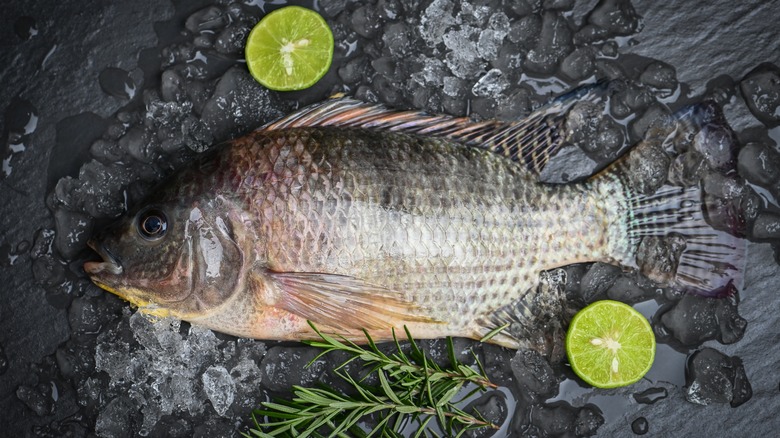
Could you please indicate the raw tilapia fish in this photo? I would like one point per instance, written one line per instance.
(356, 217)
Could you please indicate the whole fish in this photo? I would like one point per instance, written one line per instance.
(357, 217)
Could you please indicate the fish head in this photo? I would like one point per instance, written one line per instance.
(171, 257)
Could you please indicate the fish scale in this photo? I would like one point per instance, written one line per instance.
(383, 217)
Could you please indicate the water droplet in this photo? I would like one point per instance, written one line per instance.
(117, 82)
(25, 27)
(21, 119)
(651, 395)
(640, 426)
(3, 361)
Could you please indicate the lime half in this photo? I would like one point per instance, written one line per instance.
(289, 49)
(609, 344)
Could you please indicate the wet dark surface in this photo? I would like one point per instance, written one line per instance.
(100, 101)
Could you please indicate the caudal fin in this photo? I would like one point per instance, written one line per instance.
(676, 246)
(664, 229)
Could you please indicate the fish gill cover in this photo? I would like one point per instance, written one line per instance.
(104, 100)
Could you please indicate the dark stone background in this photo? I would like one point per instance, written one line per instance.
(57, 72)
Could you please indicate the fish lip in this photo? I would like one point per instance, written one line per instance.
(110, 263)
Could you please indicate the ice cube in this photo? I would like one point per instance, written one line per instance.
(219, 388)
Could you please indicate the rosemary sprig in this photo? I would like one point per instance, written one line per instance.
(411, 388)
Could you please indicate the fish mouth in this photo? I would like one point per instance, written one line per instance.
(110, 263)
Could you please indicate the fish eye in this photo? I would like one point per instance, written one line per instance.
(152, 224)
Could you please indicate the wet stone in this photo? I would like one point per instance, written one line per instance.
(725, 200)
(640, 426)
(563, 5)
(659, 75)
(497, 364)
(718, 145)
(766, 227)
(204, 41)
(523, 7)
(385, 66)
(516, 106)
(525, 31)
(333, 8)
(491, 407)
(721, 89)
(366, 22)
(628, 98)
(74, 361)
(171, 87)
(238, 105)
(557, 420)
(648, 165)
(632, 289)
(117, 82)
(609, 49)
(39, 402)
(84, 316)
(608, 19)
(658, 257)
(396, 39)
(713, 377)
(47, 271)
(231, 41)
(555, 43)
(687, 169)
(355, 70)
(599, 136)
(207, 19)
(610, 69)
(533, 374)
(597, 280)
(656, 121)
(694, 320)
(651, 395)
(761, 90)
(74, 230)
(759, 163)
(579, 64)
(589, 419)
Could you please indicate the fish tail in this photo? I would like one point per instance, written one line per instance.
(663, 231)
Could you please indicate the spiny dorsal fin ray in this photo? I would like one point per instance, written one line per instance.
(530, 142)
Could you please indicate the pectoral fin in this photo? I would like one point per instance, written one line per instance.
(344, 302)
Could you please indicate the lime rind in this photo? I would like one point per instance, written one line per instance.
(606, 321)
(290, 49)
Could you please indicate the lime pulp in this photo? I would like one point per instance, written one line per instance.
(290, 49)
(609, 344)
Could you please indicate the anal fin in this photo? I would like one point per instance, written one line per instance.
(537, 320)
(344, 302)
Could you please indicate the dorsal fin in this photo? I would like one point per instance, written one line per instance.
(530, 142)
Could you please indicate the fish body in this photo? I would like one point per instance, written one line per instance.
(370, 225)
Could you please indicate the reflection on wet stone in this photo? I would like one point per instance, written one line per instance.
(712, 377)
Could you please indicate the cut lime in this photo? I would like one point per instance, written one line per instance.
(609, 344)
(289, 49)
